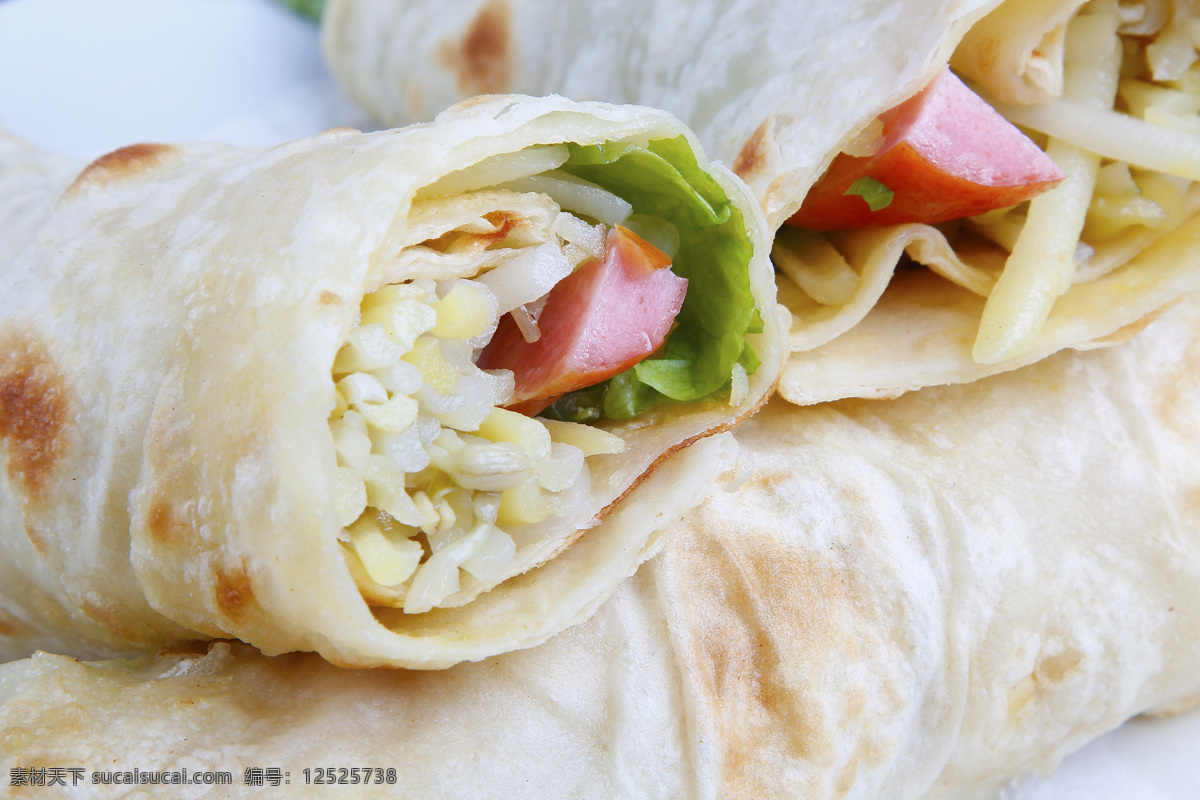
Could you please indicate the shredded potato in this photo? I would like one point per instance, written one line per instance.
(1113, 135)
(437, 487)
(1124, 127)
(1002, 225)
(1043, 261)
(810, 261)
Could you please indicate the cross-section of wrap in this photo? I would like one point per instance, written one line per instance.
(870, 157)
(288, 395)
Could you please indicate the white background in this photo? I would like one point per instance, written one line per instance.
(84, 77)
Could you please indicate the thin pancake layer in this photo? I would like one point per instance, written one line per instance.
(774, 91)
(187, 347)
(915, 598)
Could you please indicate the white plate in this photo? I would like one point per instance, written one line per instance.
(84, 77)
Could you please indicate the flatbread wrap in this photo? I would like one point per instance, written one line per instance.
(241, 395)
(818, 106)
(919, 598)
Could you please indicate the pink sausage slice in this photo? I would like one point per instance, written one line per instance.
(599, 321)
(946, 154)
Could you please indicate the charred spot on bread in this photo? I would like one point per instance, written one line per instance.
(166, 524)
(752, 158)
(124, 163)
(232, 591)
(35, 411)
(482, 60)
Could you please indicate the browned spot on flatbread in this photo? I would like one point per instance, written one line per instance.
(10, 626)
(37, 537)
(755, 152)
(1127, 332)
(772, 198)
(127, 162)
(1057, 668)
(36, 405)
(167, 524)
(482, 61)
(774, 627)
(505, 222)
(328, 298)
(808, 586)
(233, 591)
(1191, 502)
(845, 780)
(762, 607)
(107, 614)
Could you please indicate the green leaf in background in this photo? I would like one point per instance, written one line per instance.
(309, 8)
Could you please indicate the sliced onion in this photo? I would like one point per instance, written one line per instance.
(385, 491)
(740, 386)
(444, 536)
(577, 196)
(565, 502)
(485, 466)
(405, 450)
(476, 392)
(437, 578)
(527, 277)
(526, 324)
(657, 231)
(352, 445)
(367, 347)
(434, 581)
(360, 388)
(432, 403)
(400, 377)
(562, 468)
(589, 238)
(501, 385)
(428, 429)
(499, 169)
(492, 557)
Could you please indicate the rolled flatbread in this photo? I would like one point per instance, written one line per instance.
(783, 91)
(919, 598)
(241, 398)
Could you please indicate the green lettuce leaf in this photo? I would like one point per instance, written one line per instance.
(714, 254)
(585, 405)
(877, 193)
(309, 8)
(625, 396)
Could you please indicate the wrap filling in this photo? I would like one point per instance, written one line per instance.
(590, 283)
